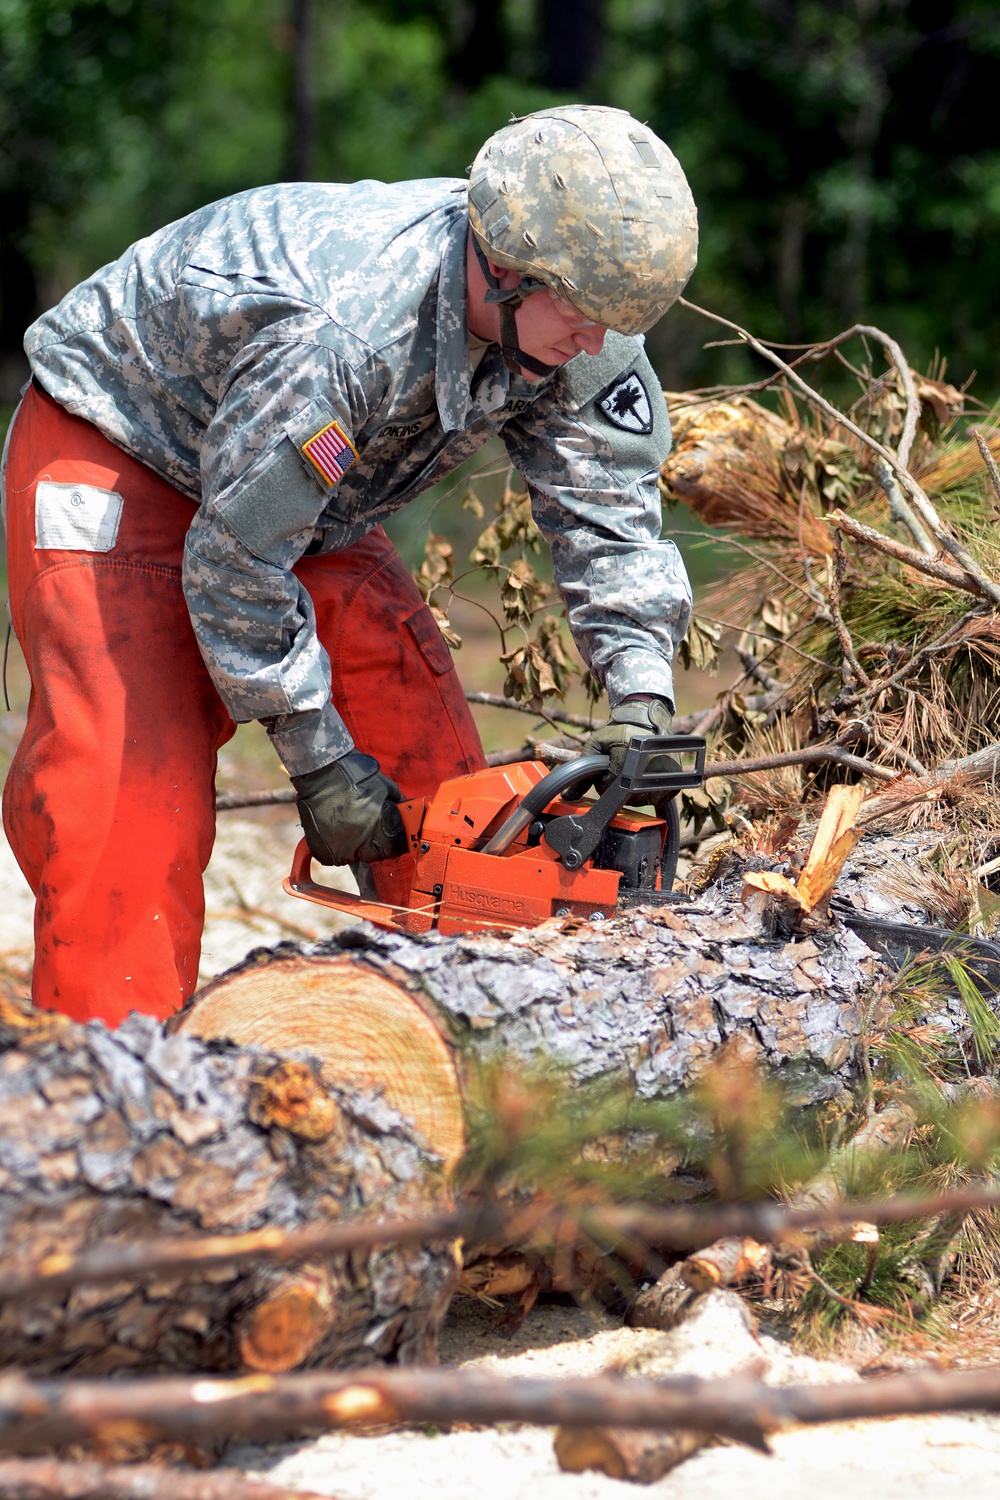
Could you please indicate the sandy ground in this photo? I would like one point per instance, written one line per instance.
(946, 1456)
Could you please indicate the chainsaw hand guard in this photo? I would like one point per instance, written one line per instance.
(643, 778)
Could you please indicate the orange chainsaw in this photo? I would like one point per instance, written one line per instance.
(510, 847)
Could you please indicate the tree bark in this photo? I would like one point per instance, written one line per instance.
(134, 1134)
(572, 39)
(302, 136)
(644, 999)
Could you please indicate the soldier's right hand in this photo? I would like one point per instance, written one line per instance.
(349, 813)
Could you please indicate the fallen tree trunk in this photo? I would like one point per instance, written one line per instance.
(133, 1134)
(644, 999)
(45, 1414)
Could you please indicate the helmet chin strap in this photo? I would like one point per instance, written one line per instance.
(507, 303)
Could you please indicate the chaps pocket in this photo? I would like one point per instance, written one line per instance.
(431, 643)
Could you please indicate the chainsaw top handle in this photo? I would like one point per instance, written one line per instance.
(571, 773)
(575, 838)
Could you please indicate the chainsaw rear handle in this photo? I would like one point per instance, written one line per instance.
(575, 838)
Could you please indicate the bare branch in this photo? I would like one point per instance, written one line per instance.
(115, 1260)
(765, 635)
(196, 1410)
(966, 580)
(756, 669)
(680, 1227)
(807, 756)
(230, 801)
(811, 754)
(990, 462)
(534, 750)
(888, 748)
(852, 665)
(560, 715)
(901, 511)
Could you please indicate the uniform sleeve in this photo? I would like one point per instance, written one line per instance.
(589, 450)
(262, 497)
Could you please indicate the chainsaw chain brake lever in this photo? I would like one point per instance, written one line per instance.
(578, 837)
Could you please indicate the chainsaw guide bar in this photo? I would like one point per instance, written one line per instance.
(510, 847)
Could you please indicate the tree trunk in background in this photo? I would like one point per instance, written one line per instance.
(18, 295)
(572, 42)
(482, 50)
(302, 146)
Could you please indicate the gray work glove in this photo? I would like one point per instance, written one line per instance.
(633, 719)
(349, 813)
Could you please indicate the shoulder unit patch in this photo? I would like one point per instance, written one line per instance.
(331, 452)
(625, 403)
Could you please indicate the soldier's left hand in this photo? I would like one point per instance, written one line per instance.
(633, 718)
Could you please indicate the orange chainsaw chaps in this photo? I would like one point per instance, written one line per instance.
(109, 805)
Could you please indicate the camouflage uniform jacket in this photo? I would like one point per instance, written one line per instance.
(295, 360)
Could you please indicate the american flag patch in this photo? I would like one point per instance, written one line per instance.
(331, 452)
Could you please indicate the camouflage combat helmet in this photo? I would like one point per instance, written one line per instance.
(588, 202)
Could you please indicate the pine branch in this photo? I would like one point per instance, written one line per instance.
(895, 461)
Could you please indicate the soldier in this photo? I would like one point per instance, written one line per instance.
(216, 424)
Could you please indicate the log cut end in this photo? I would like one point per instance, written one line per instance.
(282, 1331)
(623, 1452)
(109, 1139)
(579, 1449)
(367, 1031)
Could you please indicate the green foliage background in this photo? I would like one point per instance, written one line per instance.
(845, 154)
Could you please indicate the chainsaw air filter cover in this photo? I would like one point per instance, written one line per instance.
(635, 853)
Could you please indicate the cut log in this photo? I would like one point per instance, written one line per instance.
(139, 1134)
(664, 1304)
(726, 1263)
(366, 1029)
(133, 1134)
(644, 999)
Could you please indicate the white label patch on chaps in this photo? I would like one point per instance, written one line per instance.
(76, 517)
(625, 403)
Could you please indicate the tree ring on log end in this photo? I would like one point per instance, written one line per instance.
(366, 1031)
